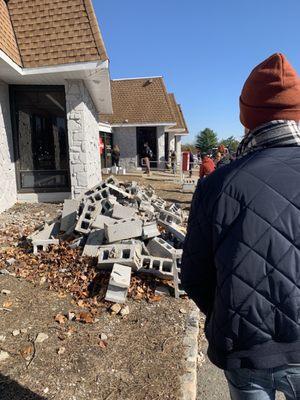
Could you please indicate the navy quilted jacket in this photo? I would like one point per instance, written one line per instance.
(241, 261)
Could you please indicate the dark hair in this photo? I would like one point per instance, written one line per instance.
(203, 155)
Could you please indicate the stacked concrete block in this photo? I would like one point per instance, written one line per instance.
(126, 254)
(118, 284)
(123, 229)
(93, 243)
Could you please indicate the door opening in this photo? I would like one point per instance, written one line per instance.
(147, 135)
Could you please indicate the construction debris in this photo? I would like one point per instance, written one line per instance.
(127, 229)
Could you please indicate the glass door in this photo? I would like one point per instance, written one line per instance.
(40, 138)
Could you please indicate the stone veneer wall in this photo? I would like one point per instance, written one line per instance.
(8, 195)
(161, 164)
(125, 138)
(83, 133)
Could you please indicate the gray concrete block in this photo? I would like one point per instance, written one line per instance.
(119, 192)
(118, 284)
(160, 267)
(90, 211)
(174, 230)
(69, 214)
(122, 212)
(101, 220)
(43, 244)
(123, 229)
(159, 204)
(150, 230)
(93, 243)
(158, 247)
(166, 217)
(125, 254)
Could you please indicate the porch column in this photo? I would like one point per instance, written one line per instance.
(8, 195)
(160, 148)
(83, 134)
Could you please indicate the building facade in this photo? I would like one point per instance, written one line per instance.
(54, 83)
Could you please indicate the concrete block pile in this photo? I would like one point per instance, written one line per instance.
(127, 228)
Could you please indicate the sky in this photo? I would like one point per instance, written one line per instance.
(205, 49)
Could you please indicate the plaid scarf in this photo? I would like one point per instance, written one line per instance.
(273, 134)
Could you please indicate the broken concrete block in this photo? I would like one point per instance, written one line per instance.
(101, 220)
(117, 191)
(69, 214)
(118, 284)
(42, 244)
(125, 254)
(158, 247)
(122, 212)
(159, 204)
(48, 231)
(162, 291)
(90, 211)
(123, 229)
(160, 267)
(176, 232)
(94, 241)
(150, 230)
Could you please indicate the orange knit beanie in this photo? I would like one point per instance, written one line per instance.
(271, 92)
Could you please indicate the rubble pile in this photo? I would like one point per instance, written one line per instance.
(125, 229)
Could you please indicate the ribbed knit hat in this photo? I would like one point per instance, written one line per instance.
(271, 92)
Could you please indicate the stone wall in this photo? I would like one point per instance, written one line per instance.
(83, 134)
(125, 138)
(8, 195)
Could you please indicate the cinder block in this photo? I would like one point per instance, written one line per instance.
(160, 267)
(117, 191)
(118, 284)
(126, 254)
(101, 220)
(122, 212)
(43, 244)
(166, 217)
(159, 204)
(69, 214)
(175, 231)
(158, 247)
(123, 229)
(90, 211)
(150, 230)
(47, 231)
(93, 243)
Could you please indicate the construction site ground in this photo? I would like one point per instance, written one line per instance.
(139, 356)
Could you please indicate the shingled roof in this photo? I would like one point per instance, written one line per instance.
(179, 117)
(8, 43)
(139, 101)
(50, 32)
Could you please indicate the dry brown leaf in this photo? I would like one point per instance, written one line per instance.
(103, 344)
(85, 318)
(27, 351)
(60, 318)
(7, 304)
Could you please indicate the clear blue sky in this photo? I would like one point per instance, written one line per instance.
(205, 49)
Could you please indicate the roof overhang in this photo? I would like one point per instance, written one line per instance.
(105, 127)
(137, 124)
(95, 74)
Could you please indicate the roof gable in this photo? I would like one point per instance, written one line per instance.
(54, 32)
(139, 101)
(177, 111)
(8, 43)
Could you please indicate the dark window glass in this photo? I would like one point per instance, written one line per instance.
(42, 146)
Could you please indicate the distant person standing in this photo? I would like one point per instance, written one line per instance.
(173, 161)
(146, 156)
(207, 166)
(115, 156)
(223, 156)
(191, 163)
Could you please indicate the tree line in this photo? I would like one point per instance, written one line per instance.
(207, 140)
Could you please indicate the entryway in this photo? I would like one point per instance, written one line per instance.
(147, 135)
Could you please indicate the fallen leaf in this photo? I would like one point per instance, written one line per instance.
(85, 318)
(103, 344)
(27, 351)
(7, 304)
(60, 318)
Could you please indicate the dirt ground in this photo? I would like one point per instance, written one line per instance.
(138, 356)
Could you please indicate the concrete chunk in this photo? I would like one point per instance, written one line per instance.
(118, 284)
(69, 214)
(158, 247)
(123, 229)
(94, 241)
(101, 220)
(150, 230)
(160, 267)
(125, 254)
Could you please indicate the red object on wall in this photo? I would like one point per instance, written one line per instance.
(101, 145)
(185, 160)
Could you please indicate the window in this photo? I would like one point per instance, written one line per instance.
(40, 138)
